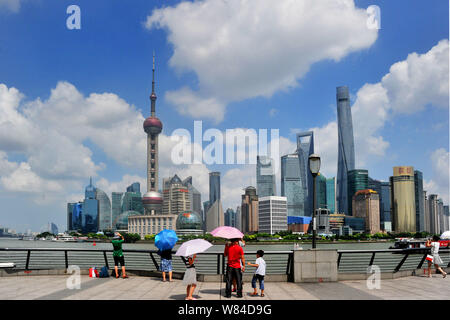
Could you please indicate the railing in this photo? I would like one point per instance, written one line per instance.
(278, 262)
(388, 260)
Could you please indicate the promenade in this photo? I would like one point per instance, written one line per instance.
(146, 288)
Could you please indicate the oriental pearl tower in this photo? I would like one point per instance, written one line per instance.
(152, 200)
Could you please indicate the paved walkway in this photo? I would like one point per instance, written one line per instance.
(144, 288)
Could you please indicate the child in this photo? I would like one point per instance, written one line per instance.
(260, 272)
(190, 278)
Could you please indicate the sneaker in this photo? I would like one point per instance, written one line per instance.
(228, 296)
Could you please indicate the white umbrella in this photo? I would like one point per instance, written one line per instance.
(192, 247)
(445, 235)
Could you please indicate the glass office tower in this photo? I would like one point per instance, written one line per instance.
(356, 180)
(214, 187)
(305, 147)
(321, 191)
(292, 187)
(331, 194)
(116, 207)
(420, 207)
(90, 210)
(265, 177)
(134, 187)
(104, 210)
(403, 199)
(230, 218)
(346, 149)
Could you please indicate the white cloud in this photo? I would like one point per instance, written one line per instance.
(11, 5)
(282, 39)
(439, 184)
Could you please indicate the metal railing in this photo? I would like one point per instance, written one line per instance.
(278, 262)
(388, 260)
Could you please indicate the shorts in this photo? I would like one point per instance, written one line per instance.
(260, 278)
(166, 265)
(119, 259)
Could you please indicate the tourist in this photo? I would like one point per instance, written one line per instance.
(166, 263)
(435, 254)
(235, 267)
(190, 278)
(260, 272)
(118, 255)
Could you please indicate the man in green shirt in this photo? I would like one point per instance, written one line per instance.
(118, 255)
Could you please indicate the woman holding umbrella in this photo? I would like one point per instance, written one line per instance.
(190, 249)
(164, 241)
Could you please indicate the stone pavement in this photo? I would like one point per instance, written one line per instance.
(146, 288)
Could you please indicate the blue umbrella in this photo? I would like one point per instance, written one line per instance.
(166, 239)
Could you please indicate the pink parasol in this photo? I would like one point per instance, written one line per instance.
(227, 233)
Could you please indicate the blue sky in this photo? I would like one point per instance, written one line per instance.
(112, 54)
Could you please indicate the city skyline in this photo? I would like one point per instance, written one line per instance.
(85, 111)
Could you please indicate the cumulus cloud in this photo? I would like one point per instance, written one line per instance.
(439, 184)
(282, 39)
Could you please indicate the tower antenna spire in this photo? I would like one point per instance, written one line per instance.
(153, 94)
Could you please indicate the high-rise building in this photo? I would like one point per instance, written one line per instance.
(321, 191)
(292, 187)
(441, 216)
(418, 193)
(366, 204)
(346, 148)
(152, 200)
(214, 187)
(403, 199)
(385, 206)
(446, 218)
(104, 210)
(134, 187)
(249, 211)
(52, 228)
(427, 219)
(116, 207)
(272, 214)
(433, 213)
(230, 218)
(238, 218)
(90, 216)
(305, 147)
(132, 201)
(265, 177)
(70, 207)
(175, 196)
(214, 216)
(331, 195)
(356, 180)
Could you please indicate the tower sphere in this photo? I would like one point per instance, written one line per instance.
(152, 125)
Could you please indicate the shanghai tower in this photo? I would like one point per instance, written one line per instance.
(152, 200)
(346, 148)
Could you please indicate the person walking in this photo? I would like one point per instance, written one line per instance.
(190, 278)
(235, 267)
(166, 263)
(260, 272)
(118, 255)
(437, 261)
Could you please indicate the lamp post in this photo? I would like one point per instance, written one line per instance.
(314, 167)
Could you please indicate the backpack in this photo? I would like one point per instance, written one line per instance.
(104, 272)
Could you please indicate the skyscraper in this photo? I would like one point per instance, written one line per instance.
(116, 207)
(152, 200)
(346, 148)
(230, 218)
(272, 214)
(265, 177)
(249, 210)
(214, 216)
(305, 147)
(176, 196)
(291, 185)
(134, 187)
(403, 204)
(321, 191)
(89, 222)
(366, 205)
(420, 208)
(104, 210)
(331, 194)
(385, 206)
(434, 213)
(356, 180)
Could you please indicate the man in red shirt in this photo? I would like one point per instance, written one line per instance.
(235, 255)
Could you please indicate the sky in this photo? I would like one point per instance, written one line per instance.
(72, 101)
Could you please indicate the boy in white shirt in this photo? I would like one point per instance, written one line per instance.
(260, 272)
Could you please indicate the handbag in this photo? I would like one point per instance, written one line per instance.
(429, 258)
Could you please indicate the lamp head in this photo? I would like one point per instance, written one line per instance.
(314, 164)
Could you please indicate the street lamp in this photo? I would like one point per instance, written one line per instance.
(314, 167)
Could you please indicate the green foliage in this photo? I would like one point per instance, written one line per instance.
(149, 237)
(131, 237)
(45, 234)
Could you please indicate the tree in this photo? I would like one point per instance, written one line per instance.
(149, 237)
(131, 237)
